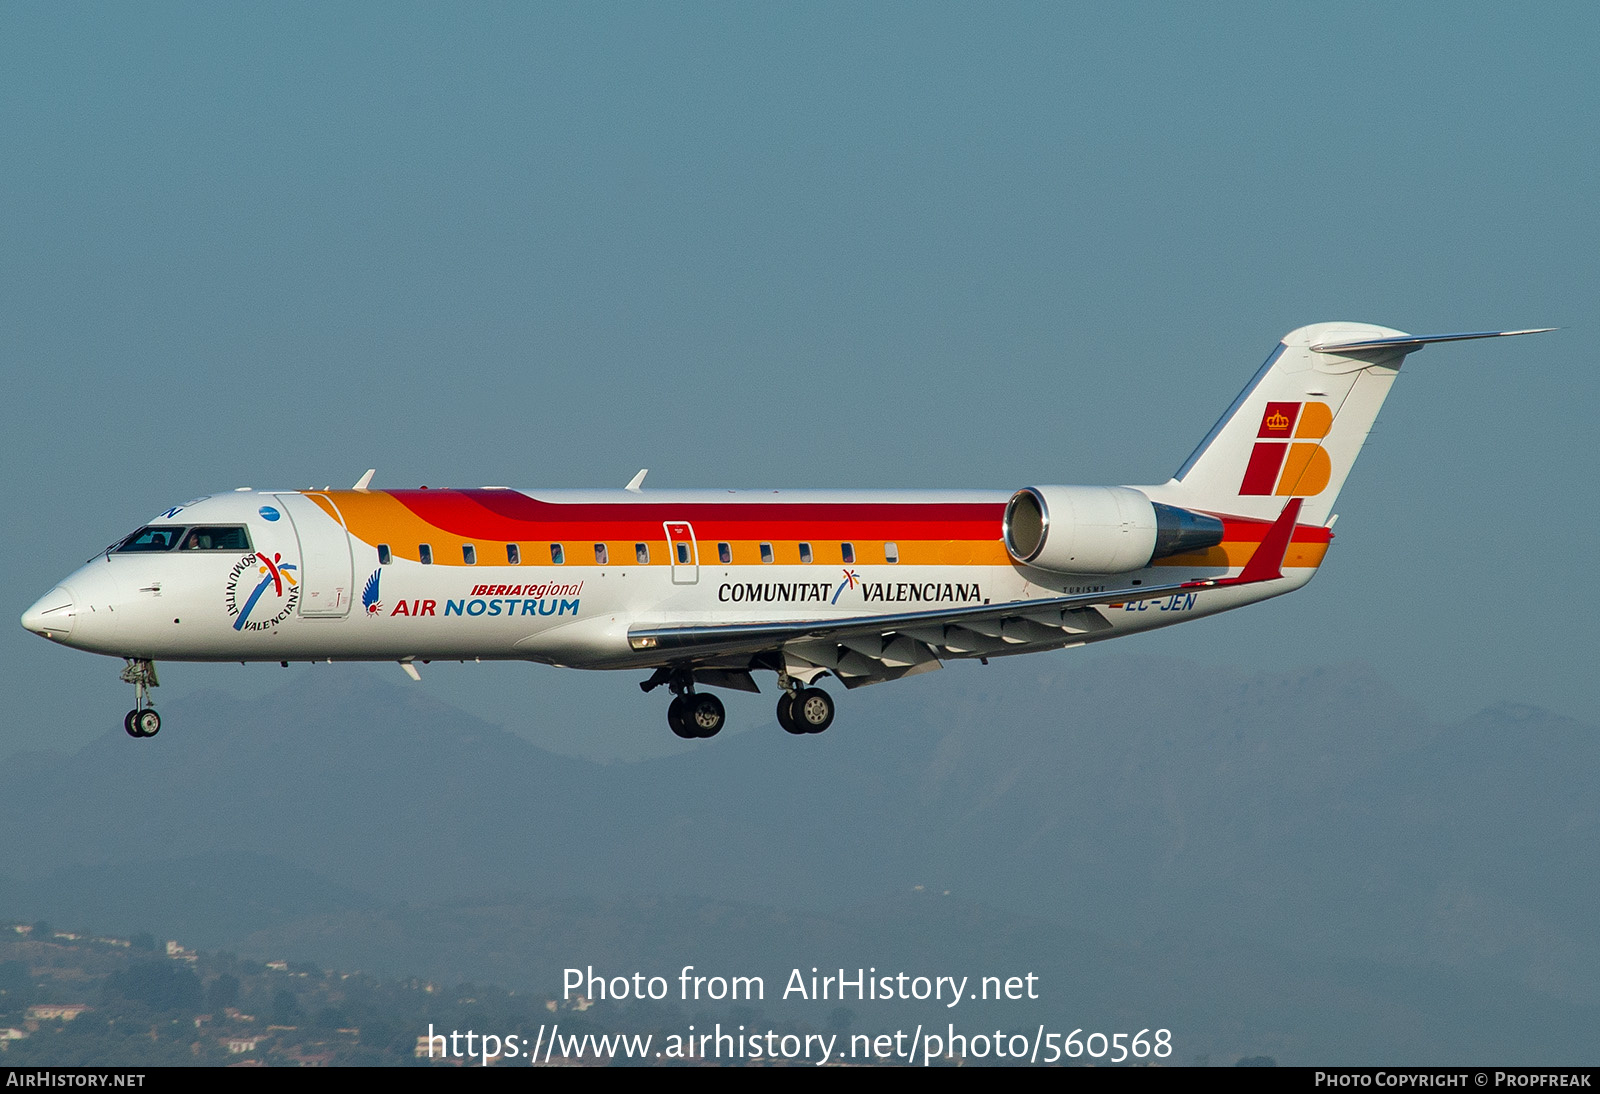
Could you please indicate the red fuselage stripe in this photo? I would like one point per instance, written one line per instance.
(506, 515)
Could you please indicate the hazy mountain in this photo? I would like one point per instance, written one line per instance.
(1185, 837)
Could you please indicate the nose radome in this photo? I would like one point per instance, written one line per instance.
(51, 615)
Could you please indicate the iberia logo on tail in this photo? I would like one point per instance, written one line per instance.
(1288, 458)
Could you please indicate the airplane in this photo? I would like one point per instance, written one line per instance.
(702, 589)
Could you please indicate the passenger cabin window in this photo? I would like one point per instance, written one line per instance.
(513, 554)
(152, 538)
(848, 550)
(425, 554)
(557, 555)
(600, 554)
(211, 538)
(641, 551)
(805, 553)
(469, 554)
(725, 554)
(891, 553)
(766, 552)
(384, 555)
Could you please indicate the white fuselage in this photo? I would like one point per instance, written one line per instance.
(227, 605)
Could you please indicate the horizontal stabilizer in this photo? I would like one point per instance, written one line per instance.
(1410, 342)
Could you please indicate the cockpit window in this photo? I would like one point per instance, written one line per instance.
(154, 537)
(167, 537)
(216, 538)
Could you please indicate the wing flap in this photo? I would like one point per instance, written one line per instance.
(722, 638)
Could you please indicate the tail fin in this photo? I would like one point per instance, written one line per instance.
(1296, 429)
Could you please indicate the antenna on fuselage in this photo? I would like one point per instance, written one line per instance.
(365, 480)
(637, 481)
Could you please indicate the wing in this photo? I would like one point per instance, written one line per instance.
(868, 649)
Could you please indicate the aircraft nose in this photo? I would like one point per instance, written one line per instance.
(51, 615)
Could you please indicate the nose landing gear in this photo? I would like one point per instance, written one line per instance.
(142, 720)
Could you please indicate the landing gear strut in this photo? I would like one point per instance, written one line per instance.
(142, 720)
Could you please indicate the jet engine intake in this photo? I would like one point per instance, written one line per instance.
(1100, 529)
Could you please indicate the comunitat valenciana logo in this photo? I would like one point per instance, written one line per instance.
(1288, 458)
(261, 592)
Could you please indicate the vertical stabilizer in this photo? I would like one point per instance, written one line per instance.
(1296, 429)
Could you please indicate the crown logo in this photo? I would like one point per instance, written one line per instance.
(1277, 421)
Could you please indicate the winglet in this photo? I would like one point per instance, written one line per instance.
(1267, 562)
(637, 482)
(365, 480)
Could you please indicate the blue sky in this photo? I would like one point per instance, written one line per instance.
(802, 245)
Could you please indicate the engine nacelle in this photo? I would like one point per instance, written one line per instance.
(1100, 529)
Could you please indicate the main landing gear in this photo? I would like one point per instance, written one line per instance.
(691, 714)
(805, 710)
(694, 714)
(142, 720)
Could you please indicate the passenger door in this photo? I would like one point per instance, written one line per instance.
(684, 551)
(325, 566)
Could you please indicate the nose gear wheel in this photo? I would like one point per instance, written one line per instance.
(142, 720)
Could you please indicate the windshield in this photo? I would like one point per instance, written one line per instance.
(227, 537)
(153, 537)
(206, 537)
